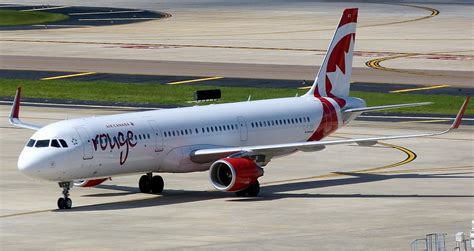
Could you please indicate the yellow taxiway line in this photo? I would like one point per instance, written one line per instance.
(193, 80)
(70, 75)
(420, 88)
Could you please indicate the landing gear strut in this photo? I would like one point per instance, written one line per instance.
(151, 184)
(64, 202)
(251, 191)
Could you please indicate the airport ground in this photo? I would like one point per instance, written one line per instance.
(342, 198)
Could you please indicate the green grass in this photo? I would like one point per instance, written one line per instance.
(179, 94)
(14, 17)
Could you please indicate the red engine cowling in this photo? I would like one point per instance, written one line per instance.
(234, 174)
(88, 183)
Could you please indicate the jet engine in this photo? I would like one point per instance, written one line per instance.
(88, 183)
(234, 174)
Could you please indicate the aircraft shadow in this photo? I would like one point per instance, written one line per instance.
(268, 192)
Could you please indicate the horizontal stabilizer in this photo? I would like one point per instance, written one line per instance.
(385, 107)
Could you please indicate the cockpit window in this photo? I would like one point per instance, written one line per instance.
(55, 143)
(63, 143)
(31, 143)
(42, 143)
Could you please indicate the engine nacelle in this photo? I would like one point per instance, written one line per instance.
(88, 183)
(234, 174)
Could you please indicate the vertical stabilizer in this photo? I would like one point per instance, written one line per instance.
(333, 78)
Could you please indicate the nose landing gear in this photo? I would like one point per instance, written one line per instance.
(64, 202)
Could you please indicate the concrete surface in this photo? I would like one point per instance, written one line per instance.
(303, 203)
(426, 37)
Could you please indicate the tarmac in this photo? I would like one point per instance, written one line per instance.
(397, 43)
(345, 198)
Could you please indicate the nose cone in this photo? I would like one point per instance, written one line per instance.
(29, 164)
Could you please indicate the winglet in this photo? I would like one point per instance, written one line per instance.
(14, 117)
(15, 112)
(460, 115)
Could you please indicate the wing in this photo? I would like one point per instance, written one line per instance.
(15, 113)
(207, 154)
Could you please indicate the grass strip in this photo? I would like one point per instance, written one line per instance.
(156, 93)
(14, 17)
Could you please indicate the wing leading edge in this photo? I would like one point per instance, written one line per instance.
(316, 145)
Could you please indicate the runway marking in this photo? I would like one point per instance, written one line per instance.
(70, 75)
(104, 12)
(26, 213)
(375, 64)
(193, 80)
(433, 13)
(437, 169)
(420, 88)
(49, 8)
(411, 156)
(118, 19)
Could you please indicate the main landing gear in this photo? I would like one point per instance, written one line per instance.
(65, 202)
(151, 184)
(251, 191)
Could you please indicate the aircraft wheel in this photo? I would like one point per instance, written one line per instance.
(251, 191)
(157, 184)
(61, 203)
(144, 184)
(64, 203)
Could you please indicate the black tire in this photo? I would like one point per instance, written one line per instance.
(144, 184)
(67, 203)
(157, 184)
(241, 193)
(61, 203)
(250, 191)
(253, 190)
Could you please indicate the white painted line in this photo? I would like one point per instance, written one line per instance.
(409, 117)
(10, 6)
(118, 19)
(60, 25)
(105, 12)
(49, 8)
(84, 106)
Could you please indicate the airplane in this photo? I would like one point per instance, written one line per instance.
(233, 141)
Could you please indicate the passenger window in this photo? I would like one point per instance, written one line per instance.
(31, 143)
(63, 143)
(197, 131)
(232, 126)
(148, 136)
(55, 143)
(42, 143)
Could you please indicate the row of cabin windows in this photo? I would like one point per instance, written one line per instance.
(279, 122)
(57, 143)
(209, 129)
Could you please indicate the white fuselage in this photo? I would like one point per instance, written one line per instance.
(163, 140)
